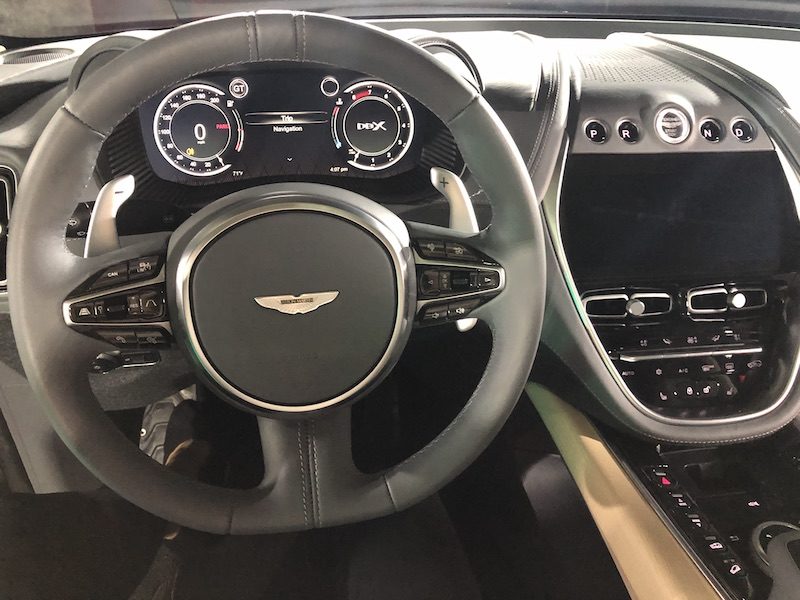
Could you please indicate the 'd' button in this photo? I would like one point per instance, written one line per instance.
(743, 130)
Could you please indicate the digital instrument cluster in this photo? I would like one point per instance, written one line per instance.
(281, 122)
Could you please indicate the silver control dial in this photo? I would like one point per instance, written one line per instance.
(673, 125)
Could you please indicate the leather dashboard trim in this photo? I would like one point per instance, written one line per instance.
(651, 561)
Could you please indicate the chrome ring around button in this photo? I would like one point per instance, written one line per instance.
(673, 125)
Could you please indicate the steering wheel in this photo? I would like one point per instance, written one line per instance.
(291, 301)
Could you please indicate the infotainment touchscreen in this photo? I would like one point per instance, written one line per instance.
(678, 217)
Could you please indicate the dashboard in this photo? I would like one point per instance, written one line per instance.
(281, 122)
(671, 206)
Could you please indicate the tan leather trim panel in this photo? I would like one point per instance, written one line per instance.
(652, 563)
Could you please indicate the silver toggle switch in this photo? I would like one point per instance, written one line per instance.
(635, 307)
(738, 300)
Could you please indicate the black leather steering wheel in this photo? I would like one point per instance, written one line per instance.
(310, 480)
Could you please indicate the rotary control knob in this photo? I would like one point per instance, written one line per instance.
(673, 125)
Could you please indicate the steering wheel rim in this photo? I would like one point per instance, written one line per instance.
(310, 480)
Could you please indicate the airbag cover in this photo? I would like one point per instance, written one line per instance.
(311, 356)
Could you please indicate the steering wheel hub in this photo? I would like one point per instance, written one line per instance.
(272, 285)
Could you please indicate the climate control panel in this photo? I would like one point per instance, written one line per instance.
(694, 351)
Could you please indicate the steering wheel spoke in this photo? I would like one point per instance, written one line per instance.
(309, 470)
(455, 274)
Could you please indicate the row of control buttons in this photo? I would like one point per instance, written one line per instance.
(673, 126)
(439, 250)
(689, 338)
(442, 281)
(698, 529)
(137, 305)
(458, 309)
(692, 381)
(686, 389)
(132, 270)
(696, 367)
(597, 131)
(123, 338)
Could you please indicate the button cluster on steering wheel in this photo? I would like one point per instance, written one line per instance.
(124, 305)
(453, 279)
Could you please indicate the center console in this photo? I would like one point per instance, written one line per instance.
(725, 504)
(686, 267)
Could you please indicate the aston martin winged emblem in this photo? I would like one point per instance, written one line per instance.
(297, 305)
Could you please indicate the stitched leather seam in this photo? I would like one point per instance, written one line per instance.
(302, 472)
(231, 512)
(555, 82)
(463, 110)
(389, 492)
(296, 22)
(303, 23)
(84, 123)
(249, 35)
(256, 43)
(537, 152)
(318, 494)
(311, 477)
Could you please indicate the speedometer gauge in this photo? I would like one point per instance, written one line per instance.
(374, 124)
(195, 126)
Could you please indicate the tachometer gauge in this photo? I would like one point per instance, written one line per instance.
(373, 123)
(194, 126)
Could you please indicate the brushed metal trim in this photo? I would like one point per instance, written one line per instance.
(645, 356)
(101, 235)
(551, 205)
(377, 220)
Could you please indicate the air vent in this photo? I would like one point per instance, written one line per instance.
(610, 304)
(8, 186)
(34, 55)
(606, 306)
